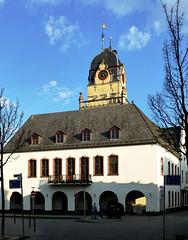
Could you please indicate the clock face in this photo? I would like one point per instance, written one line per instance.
(103, 74)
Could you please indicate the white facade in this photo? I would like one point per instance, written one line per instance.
(139, 170)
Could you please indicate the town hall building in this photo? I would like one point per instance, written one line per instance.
(107, 151)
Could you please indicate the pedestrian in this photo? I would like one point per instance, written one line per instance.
(94, 210)
(101, 211)
(98, 209)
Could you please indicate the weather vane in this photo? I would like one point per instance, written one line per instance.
(103, 27)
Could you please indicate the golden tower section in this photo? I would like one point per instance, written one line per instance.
(107, 82)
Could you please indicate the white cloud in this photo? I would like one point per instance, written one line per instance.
(53, 83)
(54, 93)
(134, 39)
(47, 87)
(2, 2)
(65, 94)
(45, 1)
(59, 30)
(120, 7)
(158, 27)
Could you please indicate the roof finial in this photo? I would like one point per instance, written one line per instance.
(103, 26)
(110, 43)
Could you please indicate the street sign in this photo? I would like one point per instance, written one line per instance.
(14, 184)
(76, 195)
(33, 194)
(172, 180)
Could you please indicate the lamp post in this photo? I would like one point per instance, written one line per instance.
(180, 159)
(19, 177)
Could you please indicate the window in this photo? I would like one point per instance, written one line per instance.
(168, 168)
(182, 176)
(86, 135)
(178, 198)
(98, 161)
(114, 132)
(84, 168)
(175, 170)
(57, 168)
(32, 168)
(44, 168)
(34, 139)
(168, 198)
(113, 165)
(172, 199)
(162, 166)
(172, 169)
(59, 137)
(70, 167)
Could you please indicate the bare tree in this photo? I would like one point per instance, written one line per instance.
(10, 122)
(170, 108)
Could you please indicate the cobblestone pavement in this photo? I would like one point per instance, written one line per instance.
(129, 227)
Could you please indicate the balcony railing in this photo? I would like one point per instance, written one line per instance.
(77, 179)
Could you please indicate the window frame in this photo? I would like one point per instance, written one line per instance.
(86, 135)
(58, 134)
(54, 167)
(34, 139)
(46, 168)
(114, 133)
(98, 174)
(109, 165)
(83, 166)
(32, 169)
(71, 166)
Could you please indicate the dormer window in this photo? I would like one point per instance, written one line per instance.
(59, 137)
(114, 132)
(35, 139)
(86, 135)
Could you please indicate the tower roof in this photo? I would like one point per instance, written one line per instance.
(110, 58)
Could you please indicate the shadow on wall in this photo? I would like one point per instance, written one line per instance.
(138, 198)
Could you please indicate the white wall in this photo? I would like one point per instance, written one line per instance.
(139, 169)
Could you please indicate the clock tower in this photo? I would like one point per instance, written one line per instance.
(106, 81)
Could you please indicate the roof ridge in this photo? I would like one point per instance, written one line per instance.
(144, 118)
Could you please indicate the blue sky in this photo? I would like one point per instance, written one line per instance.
(46, 47)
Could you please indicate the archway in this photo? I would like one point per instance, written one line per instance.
(59, 202)
(39, 203)
(135, 202)
(107, 197)
(80, 203)
(16, 202)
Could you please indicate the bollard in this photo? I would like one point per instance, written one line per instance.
(14, 218)
(34, 224)
(29, 221)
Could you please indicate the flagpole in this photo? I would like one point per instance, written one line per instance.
(103, 26)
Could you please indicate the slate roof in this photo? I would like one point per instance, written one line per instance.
(110, 57)
(135, 128)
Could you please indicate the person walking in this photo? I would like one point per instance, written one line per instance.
(101, 211)
(94, 210)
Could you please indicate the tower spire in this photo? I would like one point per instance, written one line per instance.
(103, 26)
